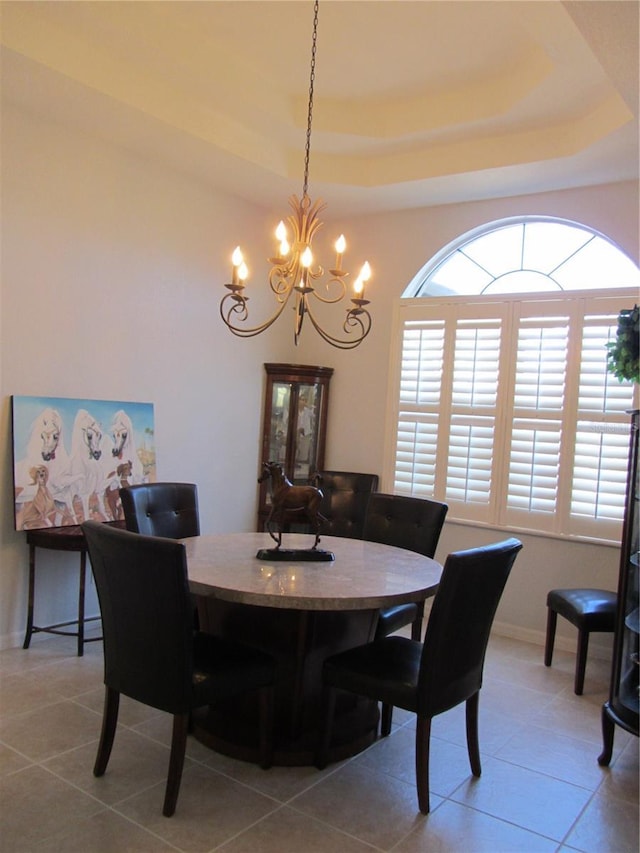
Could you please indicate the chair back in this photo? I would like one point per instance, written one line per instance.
(345, 498)
(459, 624)
(161, 509)
(405, 522)
(147, 617)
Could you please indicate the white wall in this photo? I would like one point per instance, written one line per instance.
(112, 270)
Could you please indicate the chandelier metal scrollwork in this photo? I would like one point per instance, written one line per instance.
(293, 272)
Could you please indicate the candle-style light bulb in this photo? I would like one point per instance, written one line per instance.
(306, 259)
(340, 245)
(358, 285)
(284, 248)
(243, 271)
(281, 232)
(236, 260)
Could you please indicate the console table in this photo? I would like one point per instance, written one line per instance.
(69, 538)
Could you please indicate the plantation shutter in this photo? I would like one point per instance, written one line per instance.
(507, 413)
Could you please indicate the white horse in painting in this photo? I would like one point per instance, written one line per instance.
(124, 449)
(125, 468)
(46, 447)
(88, 461)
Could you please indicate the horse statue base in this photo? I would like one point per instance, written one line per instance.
(296, 555)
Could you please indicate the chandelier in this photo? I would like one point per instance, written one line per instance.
(293, 273)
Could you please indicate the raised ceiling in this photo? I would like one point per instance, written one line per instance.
(416, 103)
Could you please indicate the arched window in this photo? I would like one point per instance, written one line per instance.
(505, 408)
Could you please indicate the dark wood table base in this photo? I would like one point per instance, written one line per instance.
(300, 640)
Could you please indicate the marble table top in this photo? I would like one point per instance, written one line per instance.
(363, 576)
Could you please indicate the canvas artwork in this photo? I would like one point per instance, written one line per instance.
(71, 456)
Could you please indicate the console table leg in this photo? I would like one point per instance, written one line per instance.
(32, 579)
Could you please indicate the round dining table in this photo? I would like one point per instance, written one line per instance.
(301, 611)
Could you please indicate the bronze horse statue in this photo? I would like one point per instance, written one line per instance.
(287, 499)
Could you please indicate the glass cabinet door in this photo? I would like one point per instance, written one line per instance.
(294, 424)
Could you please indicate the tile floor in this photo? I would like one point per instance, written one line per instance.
(541, 788)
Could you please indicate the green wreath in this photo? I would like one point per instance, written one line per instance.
(623, 356)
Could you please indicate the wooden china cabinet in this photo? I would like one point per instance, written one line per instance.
(294, 425)
(622, 706)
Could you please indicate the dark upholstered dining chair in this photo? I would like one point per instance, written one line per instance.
(431, 677)
(152, 653)
(161, 509)
(344, 502)
(404, 522)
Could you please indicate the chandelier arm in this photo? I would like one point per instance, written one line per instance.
(356, 317)
(331, 300)
(239, 306)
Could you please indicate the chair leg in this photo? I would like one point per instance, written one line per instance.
(423, 735)
(108, 733)
(581, 661)
(328, 705)
(552, 618)
(266, 727)
(385, 722)
(473, 742)
(176, 762)
(416, 626)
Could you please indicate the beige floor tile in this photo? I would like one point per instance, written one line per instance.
(69, 677)
(370, 806)
(453, 828)
(36, 805)
(105, 832)
(394, 756)
(280, 783)
(623, 776)
(211, 810)
(10, 761)
(531, 800)
(576, 716)
(529, 717)
(20, 693)
(288, 831)
(136, 763)
(42, 650)
(49, 730)
(131, 713)
(566, 758)
(607, 825)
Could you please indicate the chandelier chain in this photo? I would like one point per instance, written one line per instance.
(312, 78)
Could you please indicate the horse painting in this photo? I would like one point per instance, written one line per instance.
(287, 499)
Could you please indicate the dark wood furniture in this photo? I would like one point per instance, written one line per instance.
(294, 424)
(70, 539)
(300, 613)
(152, 652)
(161, 509)
(589, 610)
(621, 709)
(431, 678)
(404, 522)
